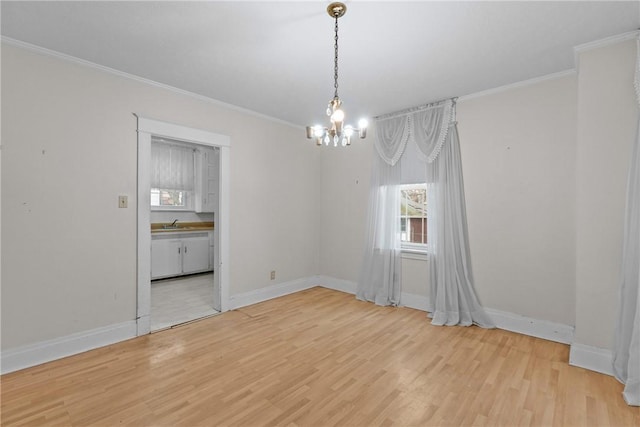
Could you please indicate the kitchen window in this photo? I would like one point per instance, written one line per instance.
(172, 175)
(166, 198)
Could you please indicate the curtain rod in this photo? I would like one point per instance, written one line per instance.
(414, 109)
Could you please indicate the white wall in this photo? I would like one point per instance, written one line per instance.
(518, 157)
(69, 142)
(520, 201)
(346, 173)
(545, 167)
(537, 177)
(607, 114)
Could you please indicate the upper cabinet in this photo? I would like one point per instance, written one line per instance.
(207, 179)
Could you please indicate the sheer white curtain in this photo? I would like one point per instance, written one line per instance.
(431, 136)
(380, 277)
(381, 269)
(452, 299)
(626, 351)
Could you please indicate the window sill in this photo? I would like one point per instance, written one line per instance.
(415, 254)
(171, 209)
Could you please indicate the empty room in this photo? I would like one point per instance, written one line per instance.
(316, 213)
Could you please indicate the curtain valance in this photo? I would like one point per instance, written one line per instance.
(426, 126)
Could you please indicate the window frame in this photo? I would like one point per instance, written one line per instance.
(188, 201)
(188, 195)
(417, 250)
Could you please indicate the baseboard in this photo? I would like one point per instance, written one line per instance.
(270, 292)
(329, 282)
(417, 302)
(46, 351)
(544, 329)
(592, 358)
(583, 356)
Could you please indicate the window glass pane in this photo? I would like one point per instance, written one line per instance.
(155, 197)
(413, 213)
(168, 198)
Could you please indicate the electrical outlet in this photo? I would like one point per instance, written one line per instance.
(273, 275)
(123, 202)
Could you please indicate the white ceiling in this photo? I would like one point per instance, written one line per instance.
(276, 58)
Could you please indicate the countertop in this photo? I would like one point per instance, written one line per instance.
(181, 227)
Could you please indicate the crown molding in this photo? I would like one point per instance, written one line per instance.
(597, 44)
(517, 85)
(607, 41)
(62, 56)
(577, 50)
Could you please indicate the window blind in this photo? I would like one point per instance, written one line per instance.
(172, 166)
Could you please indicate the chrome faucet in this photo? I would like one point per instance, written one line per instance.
(173, 224)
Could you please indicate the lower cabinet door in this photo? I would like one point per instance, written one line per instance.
(166, 258)
(195, 255)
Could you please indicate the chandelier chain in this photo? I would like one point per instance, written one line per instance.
(335, 68)
(338, 132)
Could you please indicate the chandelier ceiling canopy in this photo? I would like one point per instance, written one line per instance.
(338, 133)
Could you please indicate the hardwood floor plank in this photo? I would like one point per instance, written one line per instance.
(317, 358)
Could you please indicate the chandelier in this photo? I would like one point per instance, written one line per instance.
(338, 133)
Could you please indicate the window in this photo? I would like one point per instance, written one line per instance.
(413, 217)
(172, 175)
(169, 198)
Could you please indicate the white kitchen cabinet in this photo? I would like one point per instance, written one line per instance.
(207, 179)
(195, 255)
(166, 258)
(175, 255)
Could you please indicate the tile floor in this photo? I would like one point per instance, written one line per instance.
(175, 301)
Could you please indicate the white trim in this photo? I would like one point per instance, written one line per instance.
(607, 41)
(222, 243)
(518, 85)
(595, 359)
(592, 358)
(577, 50)
(146, 129)
(417, 302)
(597, 44)
(181, 133)
(544, 329)
(270, 292)
(414, 254)
(89, 64)
(143, 241)
(46, 351)
(328, 282)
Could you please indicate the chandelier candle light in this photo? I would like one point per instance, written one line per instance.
(339, 133)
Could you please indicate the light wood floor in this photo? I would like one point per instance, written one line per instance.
(318, 357)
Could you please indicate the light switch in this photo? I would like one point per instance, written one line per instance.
(123, 202)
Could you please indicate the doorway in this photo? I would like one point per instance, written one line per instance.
(147, 130)
(181, 299)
